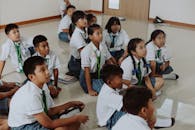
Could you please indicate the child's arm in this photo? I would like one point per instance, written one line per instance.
(2, 64)
(127, 82)
(153, 68)
(88, 82)
(111, 61)
(59, 109)
(55, 73)
(66, 30)
(46, 122)
(164, 66)
(8, 94)
(123, 57)
(149, 85)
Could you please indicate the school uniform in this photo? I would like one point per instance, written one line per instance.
(26, 102)
(52, 62)
(64, 24)
(131, 122)
(94, 59)
(116, 43)
(160, 55)
(62, 8)
(108, 108)
(17, 52)
(135, 73)
(77, 41)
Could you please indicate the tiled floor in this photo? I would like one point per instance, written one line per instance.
(178, 97)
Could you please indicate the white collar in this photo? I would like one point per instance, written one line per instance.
(138, 118)
(36, 87)
(47, 56)
(136, 60)
(97, 51)
(80, 30)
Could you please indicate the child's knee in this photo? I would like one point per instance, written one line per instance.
(160, 81)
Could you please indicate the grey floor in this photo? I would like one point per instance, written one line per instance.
(178, 98)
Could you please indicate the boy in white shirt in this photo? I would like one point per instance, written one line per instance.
(15, 48)
(32, 107)
(140, 110)
(109, 102)
(63, 28)
(77, 42)
(42, 49)
(93, 57)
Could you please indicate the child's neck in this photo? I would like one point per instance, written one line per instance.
(139, 58)
(40, 85)
(97, 45)
(42, 55)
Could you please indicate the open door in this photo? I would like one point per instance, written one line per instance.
(132, 9)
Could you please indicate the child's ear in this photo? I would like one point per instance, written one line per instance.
(90, 37)
(143, 113)
(133, 52)
(31, 77)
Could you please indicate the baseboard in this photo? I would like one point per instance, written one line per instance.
(175, 23)
(34, 20)
(47, 18)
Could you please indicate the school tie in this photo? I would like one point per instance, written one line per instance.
(98, 65)
(44, 102)
(139, 73)
(113, 41)
(19, 56)
(158, 53)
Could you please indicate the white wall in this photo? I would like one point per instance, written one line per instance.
(22, 10)
(174, 10)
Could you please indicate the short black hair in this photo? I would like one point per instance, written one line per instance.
(10, 27)
(78, 15)
(108, 71)
(112, 21)
(31, 63)
(133, 44)
(37, 39)
(92, 28)
(90, 17)
(135, 99)
(70, 7)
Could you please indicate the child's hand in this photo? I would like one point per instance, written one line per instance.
(93, 93)
(82, 118)
(79, 104)
(53, 91)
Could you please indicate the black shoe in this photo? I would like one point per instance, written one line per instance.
(172, 124)
(158, 20)
(177, 76)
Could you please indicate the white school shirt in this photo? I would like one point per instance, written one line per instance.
(131, 122)
(108, 102)
(52, 62)
(8, 50)
(152, 53)
(89, 56)
(77, 41)
(26, 102)
(128, 70)
(62, 7)
(121, 40)
(64, 23)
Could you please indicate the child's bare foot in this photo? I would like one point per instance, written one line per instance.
(93, 93)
